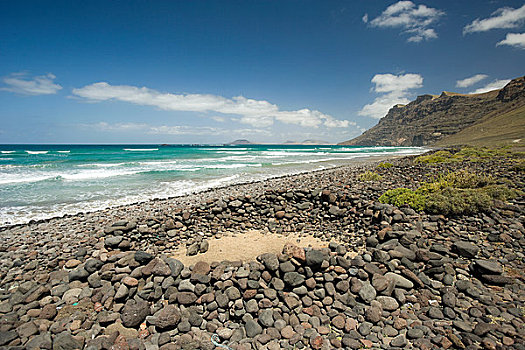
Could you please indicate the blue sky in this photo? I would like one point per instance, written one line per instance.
(216, 71)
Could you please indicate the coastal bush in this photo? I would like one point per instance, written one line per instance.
(385, 165)
(519, 166)
(370, 176)
(436, 157)
(404, 196)
(456, 201)
(465, 154)
(467, 179)
(456, 193)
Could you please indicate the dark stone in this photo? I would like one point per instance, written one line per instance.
(65, 341)
(41, 341)
(156, 267)
(175, 266)
(293, 278)
(7, 336)
(414, 333)
(315, 257)
(399, 341)
(252, 328)
(113, 241)
(466, 249)
(142, 257)
(93, 265)
(78, 274)
(270, 261)
(168, 317)
(186, 298)
(489, 267)
(134, 312)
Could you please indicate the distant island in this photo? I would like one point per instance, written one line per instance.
(305, 142)
(240, 142)
(489, 119)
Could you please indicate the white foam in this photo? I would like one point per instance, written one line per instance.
(64, 151)
(37, 152)
(97, 174)
(141, 149)
(232, 152)
(224, 149)
(7, 152)
(230, 166)
(17, 178)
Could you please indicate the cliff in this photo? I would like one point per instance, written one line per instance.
(434, 120)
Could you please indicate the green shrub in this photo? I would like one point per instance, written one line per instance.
(404, 196)
(519, 166)
(466, 179)
(500, 192)
(466, 154)
(370, 176)
(456, 193)
(456, 201)
(436, 157)
(385, 165)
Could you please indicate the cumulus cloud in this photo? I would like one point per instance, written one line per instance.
(20, 83)
(495, 85)
(391, 82)
(395, 89)
(412, 19)
(505, 17)
(171, 129)
(258, 113)
(463, 83)
(514, 39)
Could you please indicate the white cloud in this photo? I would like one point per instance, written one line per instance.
(391, 82)
(505, 17)
(513, 39)
(463, 83)
(495, 85)
(171, 129)
(257, 113)
(414, 20)
(218, 119)
(38, 85)
(396, 92)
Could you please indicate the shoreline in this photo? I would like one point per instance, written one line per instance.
(358, 162)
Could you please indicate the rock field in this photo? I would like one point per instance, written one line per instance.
(390, 278)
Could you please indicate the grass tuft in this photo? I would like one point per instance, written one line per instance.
(369, 176)
(385, 165)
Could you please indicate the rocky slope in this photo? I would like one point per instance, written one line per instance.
(431, 119)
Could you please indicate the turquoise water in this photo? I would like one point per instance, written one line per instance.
(43, 181)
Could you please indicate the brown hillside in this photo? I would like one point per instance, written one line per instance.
(432, 120)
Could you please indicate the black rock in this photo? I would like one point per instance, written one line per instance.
(315, 257)
(93, 265)
(293, 278)
(134, 312)
(466, 249)
(142, 257)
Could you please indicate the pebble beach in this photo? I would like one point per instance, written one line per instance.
(381, 277)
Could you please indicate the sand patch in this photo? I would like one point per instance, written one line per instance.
(246, 247)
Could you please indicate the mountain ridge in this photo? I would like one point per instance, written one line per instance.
(434, 119)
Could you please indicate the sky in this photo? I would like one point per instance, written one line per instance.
(216, 71)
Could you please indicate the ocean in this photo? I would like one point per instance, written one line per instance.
(44, 181)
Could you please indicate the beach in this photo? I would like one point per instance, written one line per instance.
(45, 181)
(354, 272)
